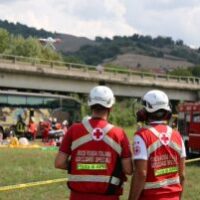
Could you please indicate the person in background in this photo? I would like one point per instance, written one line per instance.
(65, 126)
(159, 153)
(40, 127)
(64, 129)
(53, 124)
(45, 127)
(41, 130)
(99, 151)
(100, 68)
(20, 127)
(32, 129)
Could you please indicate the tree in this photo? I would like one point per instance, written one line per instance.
(161, 41)
(16, 46)
(32, 48)
(4, 40)
(179, 43)
(50, 54)
(195, 71)
(146, 39)
(98, 39)
(73, 59)
(25, 47)
(135, 37)
(127, 111)
(25, 31)
(181, 72)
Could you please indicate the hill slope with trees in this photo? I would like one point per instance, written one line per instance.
(108, 50)
(137, 52)
(27, 47)
(69, 43)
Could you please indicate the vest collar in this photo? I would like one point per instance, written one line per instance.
(157, 122)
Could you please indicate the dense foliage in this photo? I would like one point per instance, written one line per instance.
(23, 30)
(122, 114)
(191, 71)
(146, 45)
(195, 71)
(18, 39)
(181, 72)
(27, 47)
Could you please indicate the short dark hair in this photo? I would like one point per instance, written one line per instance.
(98, 107)
(159, 115)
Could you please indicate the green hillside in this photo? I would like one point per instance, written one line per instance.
(69, 43)
(159, 47)
(137, 52)
(25, 31)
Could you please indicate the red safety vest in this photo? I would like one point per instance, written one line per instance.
(95, 165)
(164, 149)
(32, 128)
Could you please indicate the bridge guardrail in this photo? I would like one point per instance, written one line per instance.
(116, 71)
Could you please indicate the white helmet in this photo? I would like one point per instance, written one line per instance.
(101, 95)
(55, 120)
(33, 119)
(155, 100)
(65, 123)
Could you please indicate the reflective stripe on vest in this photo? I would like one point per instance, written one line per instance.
(108, 140)
(91, 166)
(82, 140)
(176, 147)
(153, 147)
(158, 143)
(157, 134)
(87, 138)
(159, 184)
(89, 128)
(164, 171)
(94, 178)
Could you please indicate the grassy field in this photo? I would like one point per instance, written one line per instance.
(29, 165)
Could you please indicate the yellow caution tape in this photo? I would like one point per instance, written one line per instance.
(25, 185)
(192, 160)
(35, 146)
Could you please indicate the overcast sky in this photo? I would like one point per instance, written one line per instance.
(179, 19)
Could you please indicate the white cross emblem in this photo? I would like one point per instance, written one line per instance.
(98, 134)
(164, 138)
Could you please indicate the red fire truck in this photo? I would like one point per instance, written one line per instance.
(189, 126)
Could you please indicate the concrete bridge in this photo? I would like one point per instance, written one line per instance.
(29, 74)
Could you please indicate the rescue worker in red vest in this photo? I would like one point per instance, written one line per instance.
(32, 129)
(99, 152)
(159, 153)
